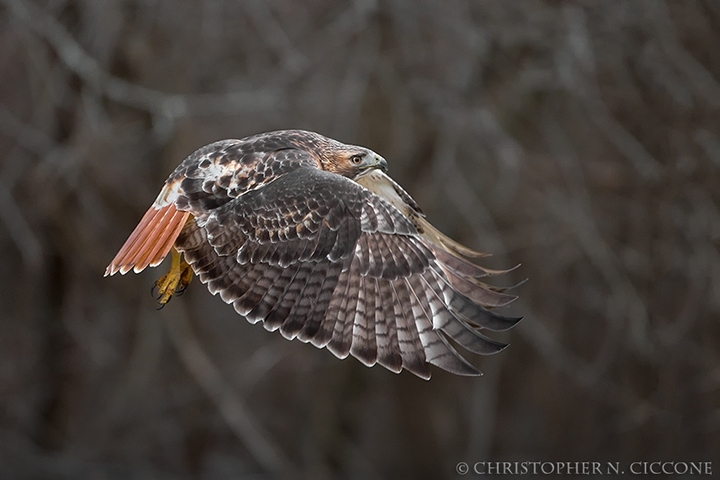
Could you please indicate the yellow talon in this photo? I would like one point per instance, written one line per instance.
(176, 280)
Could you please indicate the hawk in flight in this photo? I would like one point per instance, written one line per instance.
(310, 237)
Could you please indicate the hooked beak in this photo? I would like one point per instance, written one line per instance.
(382, 164)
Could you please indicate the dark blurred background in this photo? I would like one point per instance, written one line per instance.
(580, 139)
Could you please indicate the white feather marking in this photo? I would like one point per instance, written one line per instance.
(168, 195)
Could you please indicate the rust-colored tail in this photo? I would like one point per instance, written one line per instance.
(151, 240)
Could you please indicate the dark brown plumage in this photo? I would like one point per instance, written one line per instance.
(309, 236)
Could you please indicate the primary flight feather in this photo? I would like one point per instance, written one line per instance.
(310, 237)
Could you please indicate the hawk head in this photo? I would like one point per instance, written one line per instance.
(353, 161)
(347, 160)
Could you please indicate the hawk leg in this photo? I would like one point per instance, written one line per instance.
(175, 281)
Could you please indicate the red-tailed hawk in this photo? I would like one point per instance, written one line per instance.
(311, 237)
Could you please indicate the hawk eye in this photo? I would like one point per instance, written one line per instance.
(356, 159)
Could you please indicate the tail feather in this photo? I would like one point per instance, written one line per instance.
(134, 241)
(176, 225)
(151, 240)
(147, 250)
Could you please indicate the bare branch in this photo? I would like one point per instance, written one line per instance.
(167, 105)
(229, 404)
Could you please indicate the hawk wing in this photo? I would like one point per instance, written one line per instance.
(322, 259)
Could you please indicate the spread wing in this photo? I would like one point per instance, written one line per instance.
(325, 260)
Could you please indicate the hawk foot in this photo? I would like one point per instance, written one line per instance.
(174, 282)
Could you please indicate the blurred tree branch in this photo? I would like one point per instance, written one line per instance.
(229, 404)
(167, 106)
